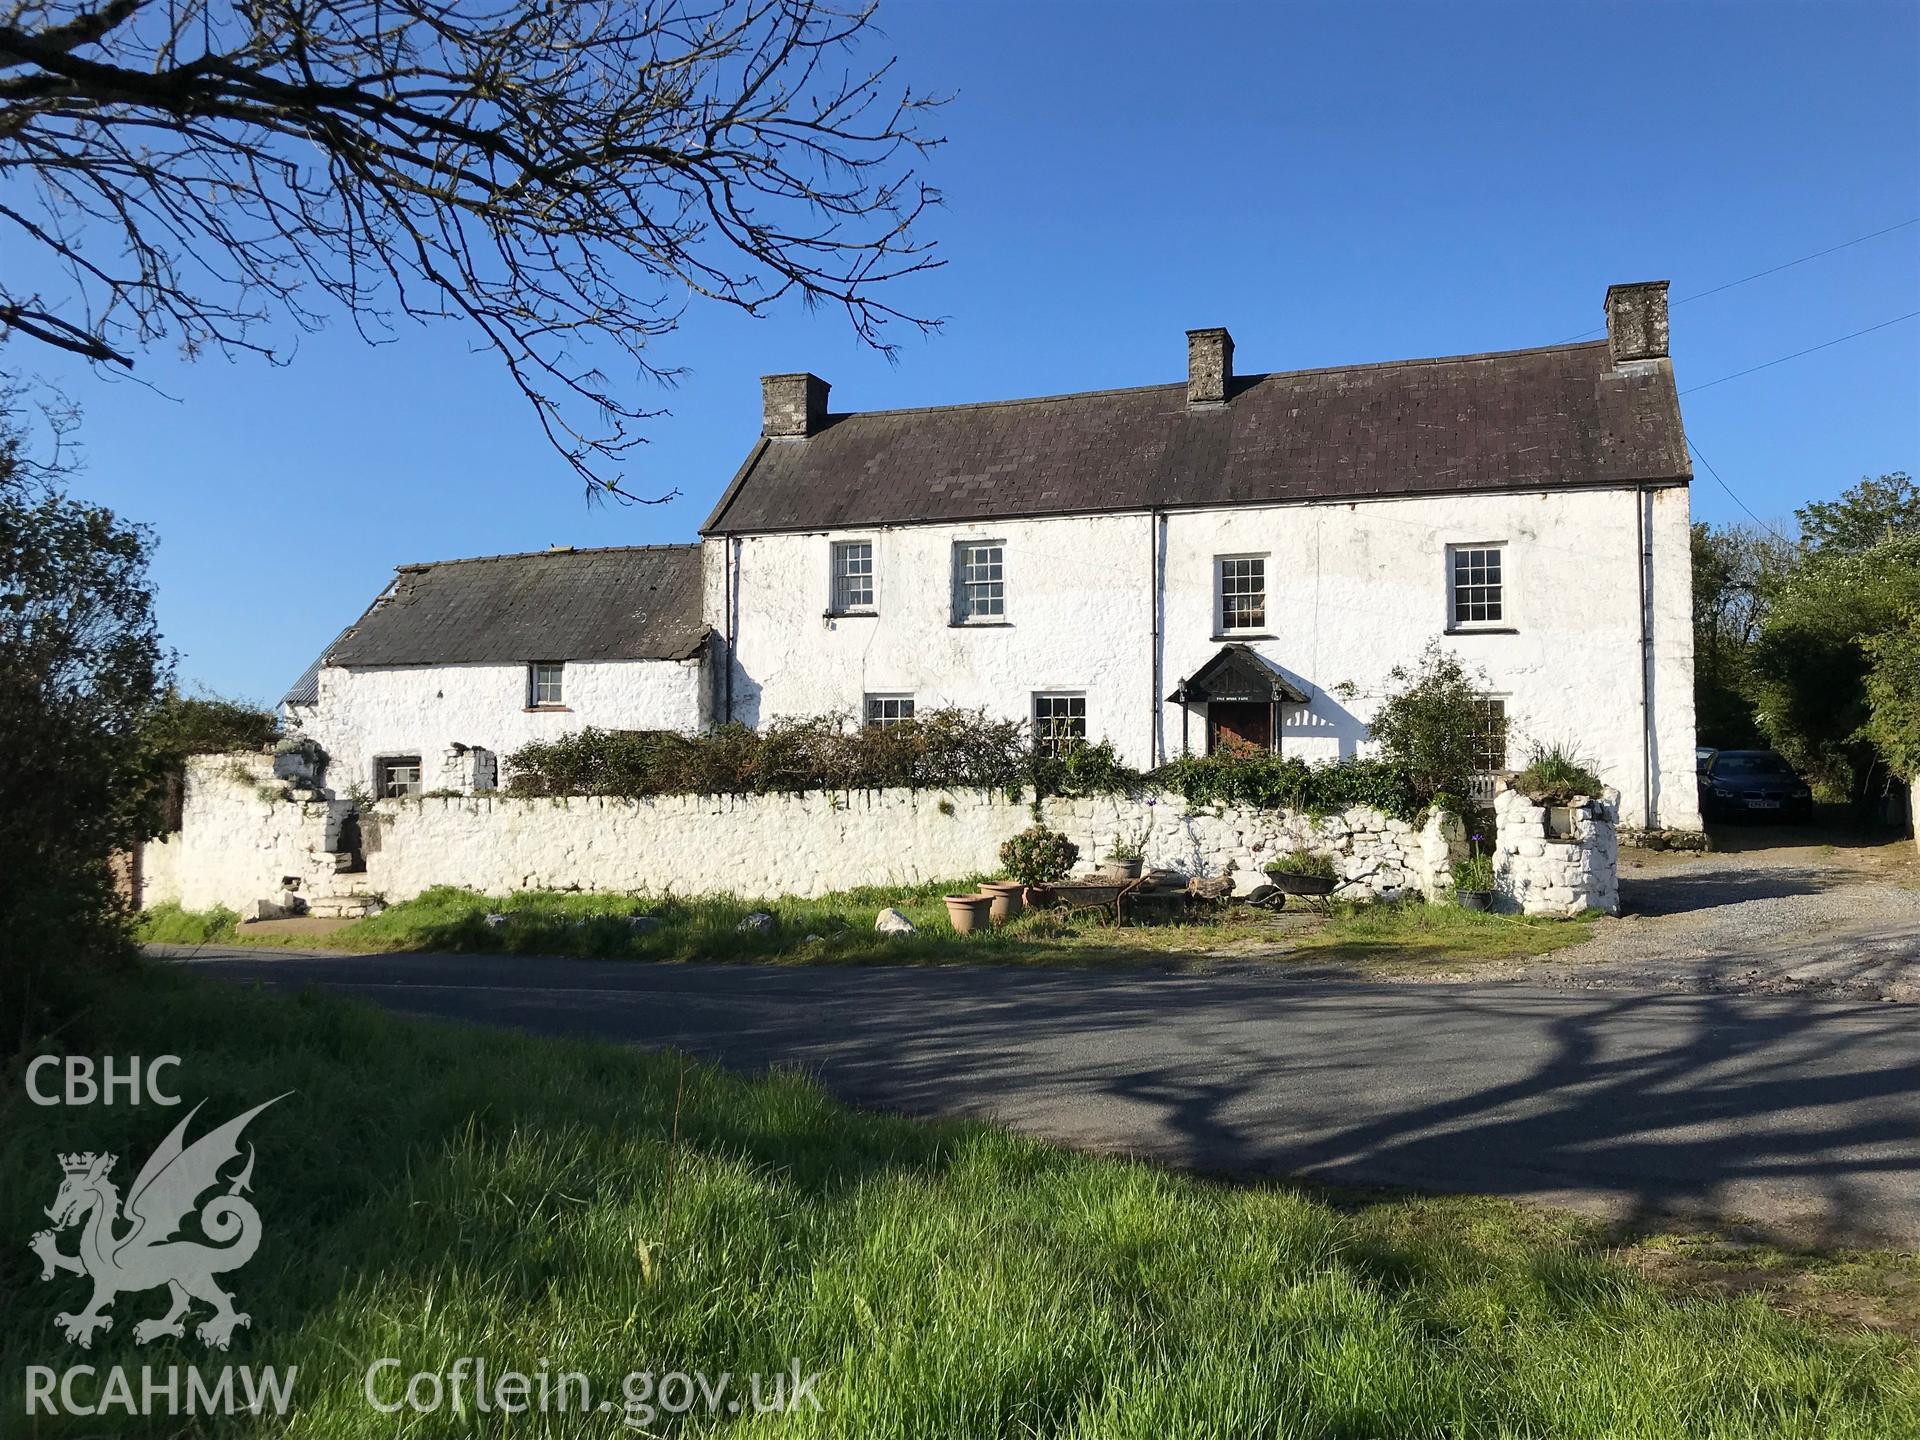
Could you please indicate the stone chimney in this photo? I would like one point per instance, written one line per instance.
(1209, 366)
(1637, 321)
(792, 405)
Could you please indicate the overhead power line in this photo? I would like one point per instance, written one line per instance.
(1735, 498)
(1825, 345)
(1762, 274)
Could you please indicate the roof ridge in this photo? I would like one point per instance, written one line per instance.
(1238, 380)
(554, 552)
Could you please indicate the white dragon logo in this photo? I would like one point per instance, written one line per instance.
(147, 1255)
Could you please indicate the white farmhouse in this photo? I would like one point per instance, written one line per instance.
(1232, 560)
(457, 664)
(1238, 556)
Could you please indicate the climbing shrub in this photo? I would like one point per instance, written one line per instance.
(942, 749)
(1276, 782)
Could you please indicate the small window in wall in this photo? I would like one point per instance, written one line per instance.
(546, 683)
(1059, 722)
(979, 582)
(852, 576)
(1243, 592)
(884, 711)
(1490, 735)
(1477, 586)
(397, 776)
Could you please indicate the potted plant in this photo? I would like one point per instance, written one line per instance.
(1304, 872)
(1125, 859)
(1039, 858)
(968, 913)
(1473, 882)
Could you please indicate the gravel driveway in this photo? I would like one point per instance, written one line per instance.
(1774, 913)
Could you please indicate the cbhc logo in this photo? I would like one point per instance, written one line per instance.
(85, 1083)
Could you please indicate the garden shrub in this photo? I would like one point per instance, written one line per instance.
(942, 749)
(1039, 856)
(1275, 782)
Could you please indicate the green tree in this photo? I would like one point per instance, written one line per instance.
(1428, 722)
(1736, 571)
(1893, 695)
(1815, 653)
(1868, 514)
(80, 667)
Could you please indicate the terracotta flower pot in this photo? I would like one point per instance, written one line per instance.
(968, 913)
(1120, 869)
(1007, 899)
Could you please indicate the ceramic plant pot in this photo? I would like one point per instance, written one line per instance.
(1007, 901)
(968, 913)
(1120, 869)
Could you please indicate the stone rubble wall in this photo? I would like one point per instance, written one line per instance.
(1538, 874)
(242, 834)
(240, 838)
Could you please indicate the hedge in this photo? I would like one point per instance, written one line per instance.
(938, 750)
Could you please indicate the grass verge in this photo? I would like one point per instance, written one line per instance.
(839, 929)
(430, 1194)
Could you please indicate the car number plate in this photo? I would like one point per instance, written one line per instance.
(1763, 804)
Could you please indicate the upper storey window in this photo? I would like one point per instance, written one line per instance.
(852, 576)
(1476, 586)
(979, 582)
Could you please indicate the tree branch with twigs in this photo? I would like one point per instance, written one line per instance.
(563, 179)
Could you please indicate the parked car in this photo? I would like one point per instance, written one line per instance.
(1703, 757)
(1753, 782)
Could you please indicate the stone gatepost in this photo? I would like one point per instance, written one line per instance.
(1557, 859)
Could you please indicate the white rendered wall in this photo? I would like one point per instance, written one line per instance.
(365, 713)
(240, 837)
(1353, 589)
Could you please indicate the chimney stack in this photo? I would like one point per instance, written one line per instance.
(1637, 321)
(1209, 366)
(792, 406)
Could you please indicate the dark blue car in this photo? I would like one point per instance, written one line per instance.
(1752, 782)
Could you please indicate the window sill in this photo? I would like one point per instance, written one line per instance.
(1227, 635)
(1480, 630)
(850, 615)
(546, 709)
(979, 624)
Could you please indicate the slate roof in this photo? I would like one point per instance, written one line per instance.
(1517, 420)
(639, 602)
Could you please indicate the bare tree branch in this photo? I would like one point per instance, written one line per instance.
(561, 177)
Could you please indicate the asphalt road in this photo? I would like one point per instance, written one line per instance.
(1798, 1116)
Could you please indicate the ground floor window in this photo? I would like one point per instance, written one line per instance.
(397, 776)
(884, 711)
(1059, 721)
(1490, 735)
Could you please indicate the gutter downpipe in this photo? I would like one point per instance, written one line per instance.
(728, 599)
(1154, 522)
(1643, 539)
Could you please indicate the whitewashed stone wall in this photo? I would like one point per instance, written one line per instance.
(1538, 874)
(239, 841)
(242, 836)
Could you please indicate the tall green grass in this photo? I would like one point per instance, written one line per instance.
(431, 1192)
(838, 929)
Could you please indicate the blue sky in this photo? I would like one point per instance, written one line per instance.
(1335, 184)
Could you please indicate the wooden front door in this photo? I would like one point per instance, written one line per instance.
(1239, 725)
